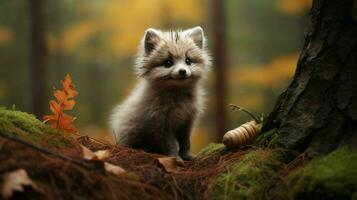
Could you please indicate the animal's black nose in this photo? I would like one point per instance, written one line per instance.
(182, 72)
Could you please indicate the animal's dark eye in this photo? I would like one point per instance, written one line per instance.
(168, 63)
(188, 61)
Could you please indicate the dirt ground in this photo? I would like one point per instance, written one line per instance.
(62, 173)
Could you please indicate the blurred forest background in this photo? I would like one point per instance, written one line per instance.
(254, 43)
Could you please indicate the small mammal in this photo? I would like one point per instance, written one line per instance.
(160, 113)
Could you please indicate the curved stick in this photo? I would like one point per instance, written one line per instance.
(235, 107)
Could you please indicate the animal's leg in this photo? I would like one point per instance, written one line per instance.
(183, 137)
(169, 146)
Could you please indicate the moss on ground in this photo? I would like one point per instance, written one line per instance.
(27, 126)
(269, 139)
(249, 177)
(258, 174)
(211, 148)
(333, 176)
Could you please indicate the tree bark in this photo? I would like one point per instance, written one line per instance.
(318, 111)
(38, 57)
(220, 67)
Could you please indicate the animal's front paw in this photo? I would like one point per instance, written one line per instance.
(186, 157)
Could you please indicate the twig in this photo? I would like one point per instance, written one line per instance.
(83, 163)
(235, 107)
(179, 189)
(91, 138)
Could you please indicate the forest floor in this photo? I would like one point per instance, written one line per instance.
(55, 163)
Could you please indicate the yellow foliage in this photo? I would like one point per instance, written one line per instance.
(73, 36)
(6, 35)
(200, 138)
(188, 10)
(254, 100)
(53, 44)
(294, 7)
(126, 20)
(78, 33)
(123, 22)
(269, 75)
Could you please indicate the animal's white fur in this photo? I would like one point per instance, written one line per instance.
(162, 105)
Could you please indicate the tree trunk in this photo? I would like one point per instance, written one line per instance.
(220, 67)
(38, 50)
(318, 111)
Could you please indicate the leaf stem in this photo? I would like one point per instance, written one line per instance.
(239, 108)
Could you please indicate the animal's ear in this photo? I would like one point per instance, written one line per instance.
(151, 38)
(197, 35)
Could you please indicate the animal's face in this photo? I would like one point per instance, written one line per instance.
(173, 58)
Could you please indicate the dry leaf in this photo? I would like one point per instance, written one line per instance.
(98, 155)
(102, 154)
(170, 164)
(62, 99)
(87, 153)
(68, 87)
(59, 119)
(15, 181)
(113, 169)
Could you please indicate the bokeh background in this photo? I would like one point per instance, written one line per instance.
(254, 43)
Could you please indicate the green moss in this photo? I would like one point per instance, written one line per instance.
(249, 177)
(28, 126)
(274, 142)
(333, 176)
(133, 176)
(265, 137)
(269, 139)
(211, 148)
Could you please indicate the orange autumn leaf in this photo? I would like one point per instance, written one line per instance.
(59, 119)
(68, 87)
(53, 119)
(55, 107)
(62, 99)
(66, 123)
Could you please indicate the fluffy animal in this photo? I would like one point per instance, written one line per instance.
(160, 113)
